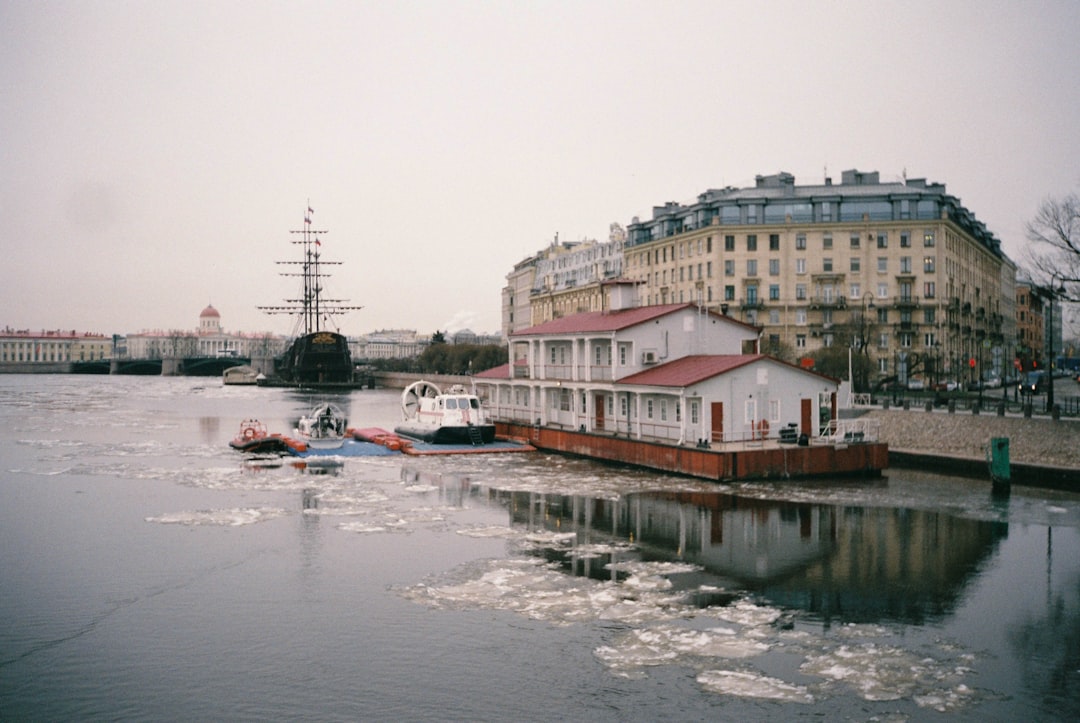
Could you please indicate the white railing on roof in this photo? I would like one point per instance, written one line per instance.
(849, 430)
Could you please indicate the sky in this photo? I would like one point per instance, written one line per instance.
(155, 155)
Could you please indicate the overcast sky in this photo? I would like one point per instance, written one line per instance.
(154, 155)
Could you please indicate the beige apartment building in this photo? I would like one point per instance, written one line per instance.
(900, 270)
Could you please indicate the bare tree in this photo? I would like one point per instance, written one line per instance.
(1054, 234)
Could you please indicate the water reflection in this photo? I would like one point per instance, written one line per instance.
(836, 562)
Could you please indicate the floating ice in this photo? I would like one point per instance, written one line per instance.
(752, 685)
(230, 518)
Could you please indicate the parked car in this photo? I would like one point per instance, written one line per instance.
(915, 385)
(992, 382)
(948, 385)
(1032, 383)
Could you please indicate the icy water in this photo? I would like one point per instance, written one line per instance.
(148, 571)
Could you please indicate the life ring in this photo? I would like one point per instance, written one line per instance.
(763, 428)
(249, 433)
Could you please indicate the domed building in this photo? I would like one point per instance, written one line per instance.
(209, 321)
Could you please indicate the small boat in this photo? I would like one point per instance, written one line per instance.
(323, 428)
(453, 417)
(254, 438)
(243, 374)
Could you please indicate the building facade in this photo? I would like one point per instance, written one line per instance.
(901, 269)
(208, 339)
(564, 279)
(22, 346)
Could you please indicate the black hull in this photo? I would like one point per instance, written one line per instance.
(319, 358)
(447, 435)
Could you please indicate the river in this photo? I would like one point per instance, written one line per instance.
(148, 571)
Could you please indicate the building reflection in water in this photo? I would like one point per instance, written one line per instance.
(849, 563)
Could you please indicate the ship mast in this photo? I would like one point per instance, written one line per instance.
(312, 308)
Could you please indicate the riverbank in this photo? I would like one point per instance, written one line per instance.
(1042, 451)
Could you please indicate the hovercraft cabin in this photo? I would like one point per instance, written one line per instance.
(673, 387)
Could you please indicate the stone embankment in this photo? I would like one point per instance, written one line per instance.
(1037, 441)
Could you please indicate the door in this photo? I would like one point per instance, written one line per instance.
(717, 421)
(806, 418)
(599, 405)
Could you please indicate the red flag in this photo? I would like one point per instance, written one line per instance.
(307, 219)
(318, 242)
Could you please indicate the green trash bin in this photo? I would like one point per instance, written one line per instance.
(999, 460)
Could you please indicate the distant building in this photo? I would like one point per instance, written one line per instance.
(565, 278)
(388, 344)
(41, 347)
(207, 340)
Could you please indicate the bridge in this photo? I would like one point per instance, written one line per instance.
(171, 366)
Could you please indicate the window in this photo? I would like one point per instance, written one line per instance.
(708, 268)
(729, 267)
(751, 294)
(826, 241)
(800, 317)
(800, 241)
(648, 409)
(929, 315)
(883, 291)
(928, 265)
(751, 242)
(751, 267)
(622, 354)
(883, 341)
(928, 237)
(883, 239)
(624, 406)
(800, 266)
(882, 315)
(774, 318)
(883, 264)
(800, 341)
(774, 410)
(774, 295)
(774, 242)
(774, 267)
(856, 264)
(663, 410)
(827, 340)
(928, 291)
(729, 293)
(750, 411)
(800, 292)
(905, 239)
(695, 412)
(855, 240)
(853, 292)
(905, 264)
(826, 264)
(905, 340)
(729, 243)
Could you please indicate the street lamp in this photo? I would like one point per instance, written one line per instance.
(1051, 295)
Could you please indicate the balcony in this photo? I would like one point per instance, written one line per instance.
(818, 301)
(752, 302)
(906, 301)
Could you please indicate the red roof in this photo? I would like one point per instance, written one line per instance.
(596, 321)
(691, 370)
(500, 372)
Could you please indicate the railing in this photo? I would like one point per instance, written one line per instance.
(849, 430)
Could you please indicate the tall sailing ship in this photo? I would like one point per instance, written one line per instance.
(318, 355)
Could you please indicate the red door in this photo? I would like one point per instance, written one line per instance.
(598, 402)
(807, 420)
(717, 421)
